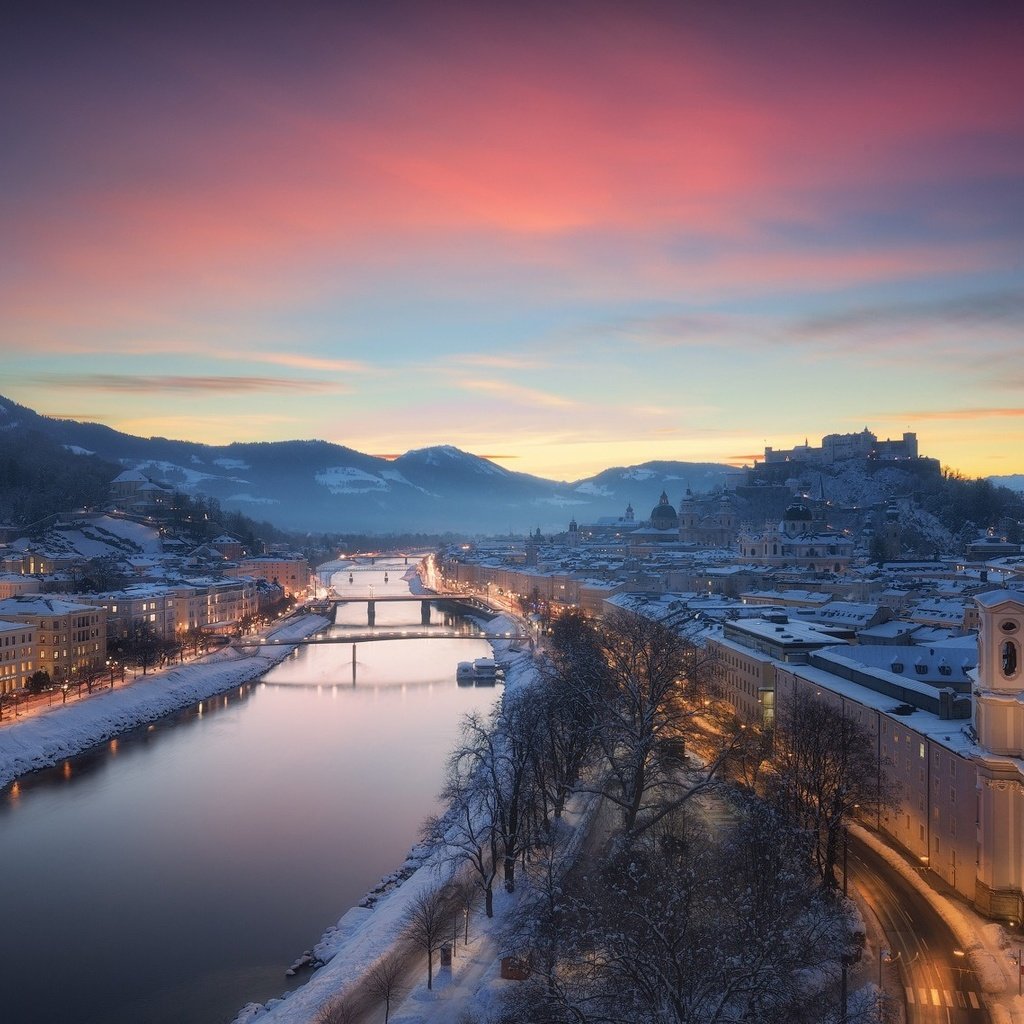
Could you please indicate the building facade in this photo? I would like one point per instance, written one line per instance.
(71, 637)
(17, 654)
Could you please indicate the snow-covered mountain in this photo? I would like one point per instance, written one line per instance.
(315, 485)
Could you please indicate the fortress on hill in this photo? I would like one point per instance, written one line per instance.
(843, 447)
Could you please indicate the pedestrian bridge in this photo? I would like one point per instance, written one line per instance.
(368, 636)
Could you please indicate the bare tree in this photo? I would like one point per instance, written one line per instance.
(426, 924)
(465, 896)
(467, 830)
(383, 978)
(687, 927)
(567, 703)
(336, 1011)
(497, 753)
(826, 765)
(656, 682)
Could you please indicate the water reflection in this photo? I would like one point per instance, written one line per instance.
(176, 872)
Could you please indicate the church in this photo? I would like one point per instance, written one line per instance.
(797, 541)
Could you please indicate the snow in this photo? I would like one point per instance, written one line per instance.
(180, 475)
(232, 464)
(76, 450)
(253, 500)
(394, 475)
(985, 943)
(349, 480)
(363, 934)
(44, 740)
(559, 501)
(597, 490)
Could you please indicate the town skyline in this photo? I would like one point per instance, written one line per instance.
(570, 239)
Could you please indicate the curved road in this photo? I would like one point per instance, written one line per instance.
(936, 984)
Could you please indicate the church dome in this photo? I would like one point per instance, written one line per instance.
(663, 515)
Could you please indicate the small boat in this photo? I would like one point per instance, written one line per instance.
(482, 672)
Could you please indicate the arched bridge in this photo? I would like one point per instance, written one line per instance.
(362, 637)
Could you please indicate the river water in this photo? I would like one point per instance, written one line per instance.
(171, 876)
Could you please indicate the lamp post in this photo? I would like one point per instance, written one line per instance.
(1018, 958)
(885, 957)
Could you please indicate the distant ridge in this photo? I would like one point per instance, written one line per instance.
(320, 486)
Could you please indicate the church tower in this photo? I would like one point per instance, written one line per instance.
(999, 724)
(574, 533)
(688, 519)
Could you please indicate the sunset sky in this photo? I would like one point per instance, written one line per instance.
(570, 235)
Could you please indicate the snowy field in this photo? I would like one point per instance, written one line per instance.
(65, 730)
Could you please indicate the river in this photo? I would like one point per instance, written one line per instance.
(171, 876)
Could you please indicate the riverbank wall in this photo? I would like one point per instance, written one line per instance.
(45, 740)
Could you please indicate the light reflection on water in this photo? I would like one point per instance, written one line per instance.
(177, 880)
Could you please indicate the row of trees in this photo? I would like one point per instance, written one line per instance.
(677, 919)
(680, 916)
(612, 715)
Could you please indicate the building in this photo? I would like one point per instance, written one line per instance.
(17, 654)
(797, 541)
(999, 725)
(290, 572)
(707, 522)
(71, 637)
(842, 447)
(947, 722)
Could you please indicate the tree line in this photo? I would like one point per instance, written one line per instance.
(707, 889)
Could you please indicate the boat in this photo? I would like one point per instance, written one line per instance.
(482, 672)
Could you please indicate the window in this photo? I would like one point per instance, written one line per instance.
(1009, 658)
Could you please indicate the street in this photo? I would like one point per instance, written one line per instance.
(935, 982)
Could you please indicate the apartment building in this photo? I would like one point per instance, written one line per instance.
(71, 637)
(17, 654)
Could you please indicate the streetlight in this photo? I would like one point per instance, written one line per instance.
(1018, 958)
(885, 957)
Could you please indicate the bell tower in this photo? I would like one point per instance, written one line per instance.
(999, 726)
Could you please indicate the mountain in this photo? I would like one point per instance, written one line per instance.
(319, 486)
(1015, 481)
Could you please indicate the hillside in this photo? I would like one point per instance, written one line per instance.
(50, 465)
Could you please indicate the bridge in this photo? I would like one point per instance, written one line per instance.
(361, 637)
(330, 605)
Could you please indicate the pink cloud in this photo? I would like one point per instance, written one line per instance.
(572, 156)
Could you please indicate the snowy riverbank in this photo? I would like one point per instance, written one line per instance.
(366, 932)
(63, 731)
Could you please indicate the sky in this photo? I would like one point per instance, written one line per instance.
(564, 236)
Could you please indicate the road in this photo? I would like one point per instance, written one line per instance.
(936, 983)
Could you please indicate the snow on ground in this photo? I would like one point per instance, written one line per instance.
(349, 480)
(366, 933)
(64, 730)
(985, 942)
